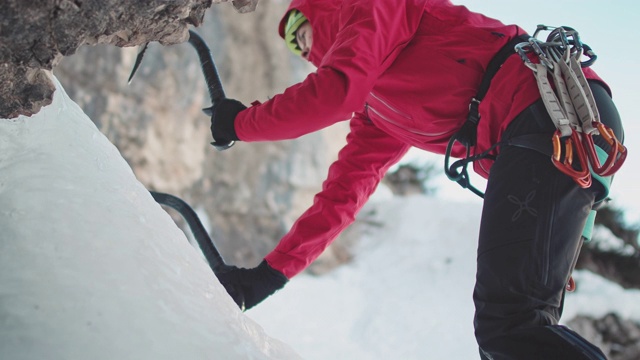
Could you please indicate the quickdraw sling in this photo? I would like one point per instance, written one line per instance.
(571, 105)
(568, 101)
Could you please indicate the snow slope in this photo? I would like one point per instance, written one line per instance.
(91, 267)
(407, 295)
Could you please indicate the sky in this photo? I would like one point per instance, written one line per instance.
(91, 267)
(610, 29)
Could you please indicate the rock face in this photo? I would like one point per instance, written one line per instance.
(618, 338)
(35, 35)
(251, 193)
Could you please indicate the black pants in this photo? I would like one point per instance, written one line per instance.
(530, 237)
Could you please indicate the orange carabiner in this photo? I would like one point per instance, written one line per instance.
(581, 176)
(571, 284)
(615, 157)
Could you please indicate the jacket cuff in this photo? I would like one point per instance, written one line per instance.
(284, 264)
(276, 277)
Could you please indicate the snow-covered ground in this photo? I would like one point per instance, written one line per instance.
(408, 293)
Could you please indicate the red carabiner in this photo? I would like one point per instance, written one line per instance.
(581, 176)
(615, 157)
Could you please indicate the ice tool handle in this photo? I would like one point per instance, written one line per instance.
(211, 77)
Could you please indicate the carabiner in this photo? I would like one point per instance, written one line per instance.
(522, 50)
(581, 176)
(571, 284)
(615, 157)
(590, 54)
(542, 55)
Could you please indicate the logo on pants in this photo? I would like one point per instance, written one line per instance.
(523, 205)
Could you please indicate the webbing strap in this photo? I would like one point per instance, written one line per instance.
(579, 88)
(467, 135)
(496, 63)
(574, 107)
(560, 117)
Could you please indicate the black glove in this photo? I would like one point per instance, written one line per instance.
(223, 118)
(248, 287)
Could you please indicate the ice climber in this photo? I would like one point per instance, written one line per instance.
(413, 73)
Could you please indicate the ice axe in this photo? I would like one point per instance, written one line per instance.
(206, 244)
(216, 93)
(211, 77)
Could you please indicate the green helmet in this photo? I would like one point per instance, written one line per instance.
(294, 20)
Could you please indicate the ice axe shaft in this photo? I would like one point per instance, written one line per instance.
(211, 77)
(206, 244)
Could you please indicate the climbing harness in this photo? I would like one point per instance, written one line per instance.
(568, 100)
(571, 104)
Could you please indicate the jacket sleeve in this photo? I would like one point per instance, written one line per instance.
(352, 178)
(370, 36)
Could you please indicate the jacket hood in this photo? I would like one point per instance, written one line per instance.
(323, 17)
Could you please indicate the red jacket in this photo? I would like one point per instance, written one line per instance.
(404, 72)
